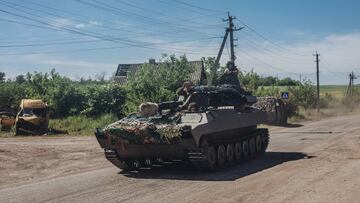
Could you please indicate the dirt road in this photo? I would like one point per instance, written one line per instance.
(316, 162)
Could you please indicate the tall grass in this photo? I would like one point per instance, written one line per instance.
(82, 125)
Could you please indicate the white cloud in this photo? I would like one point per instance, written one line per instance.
(65, 63)
(65, 22)
(44, 63)
(338, 56)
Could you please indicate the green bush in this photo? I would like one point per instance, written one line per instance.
(64, 96)
(303, 95)
(156, 83)
(103, 99)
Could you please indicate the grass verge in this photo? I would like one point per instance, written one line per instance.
(82, 125)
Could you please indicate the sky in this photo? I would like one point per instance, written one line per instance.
(85, 38)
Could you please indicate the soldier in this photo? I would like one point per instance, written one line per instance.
(185, 90)
(230, 75)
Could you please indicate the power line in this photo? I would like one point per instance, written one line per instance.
(48, 44)
(162, 14)
(269, 52)
(64, 17)
(118, 11)
(73, 30)
(70, 30)
(97, 49)
(88, 41)
(53, 42)
(255, 41)
(197, 7)
(268, 40)
(115, 47)
(187, 9)
(245, 24)
(102, 26)
(267, 64)
(22, 23)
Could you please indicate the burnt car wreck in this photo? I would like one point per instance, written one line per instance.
(32, 118)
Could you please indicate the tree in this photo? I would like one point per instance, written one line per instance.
(211, 69)
(288, 82)
(157, 83)
(2, 76)
(20, 79)
(269, 81)
(100, 77)
(250, 80)
(303, 95)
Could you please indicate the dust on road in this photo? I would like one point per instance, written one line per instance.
(311, 162)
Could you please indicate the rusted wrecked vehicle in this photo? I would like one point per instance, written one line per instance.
(7, 120)
(32, 118)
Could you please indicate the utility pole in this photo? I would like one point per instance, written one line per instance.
(229, 30)
(350, 90)
(317, 82)
(231, 27)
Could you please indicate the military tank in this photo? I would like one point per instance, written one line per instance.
(215, 127)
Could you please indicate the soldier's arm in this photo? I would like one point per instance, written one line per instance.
(181, 92)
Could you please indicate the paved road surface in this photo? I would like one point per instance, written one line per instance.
(317, 162)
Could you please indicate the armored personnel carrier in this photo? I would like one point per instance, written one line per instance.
(213, 128)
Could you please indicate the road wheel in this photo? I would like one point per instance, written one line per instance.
(258, 143)
(245, 148)
(238, 150)
(125, 166)
(252, 146)
(210, 154)
(221, 155)
(230, 152)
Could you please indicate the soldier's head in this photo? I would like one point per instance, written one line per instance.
(230, 66)
(187, 86)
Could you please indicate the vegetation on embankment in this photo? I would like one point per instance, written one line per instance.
(82, 125)
(83, 105)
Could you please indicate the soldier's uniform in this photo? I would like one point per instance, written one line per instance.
(230, 76)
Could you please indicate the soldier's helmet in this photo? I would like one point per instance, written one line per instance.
(187, 85)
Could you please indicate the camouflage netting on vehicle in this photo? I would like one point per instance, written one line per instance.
(267, 104)
(141, 130)
(215, 96)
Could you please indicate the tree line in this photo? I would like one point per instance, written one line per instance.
(92, 98)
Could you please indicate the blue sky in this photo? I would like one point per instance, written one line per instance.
(83, 38)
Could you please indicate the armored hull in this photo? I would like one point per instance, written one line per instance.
(210, 139)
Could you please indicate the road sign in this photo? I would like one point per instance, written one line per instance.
(284, 95)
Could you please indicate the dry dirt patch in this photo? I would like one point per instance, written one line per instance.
(24, 159)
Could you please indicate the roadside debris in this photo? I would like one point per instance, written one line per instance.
(33, 118)
(277, 110)
(7, 120)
